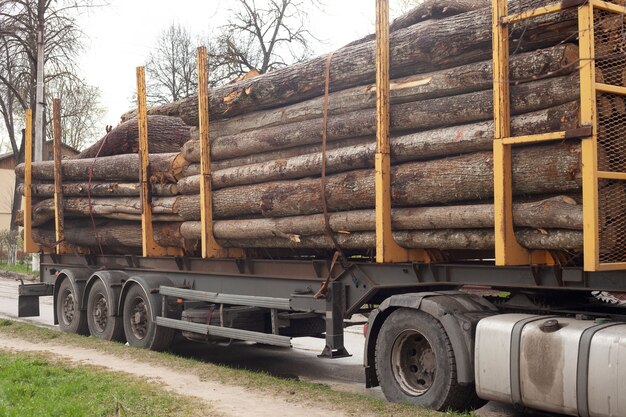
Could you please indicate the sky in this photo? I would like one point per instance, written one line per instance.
(119, 37)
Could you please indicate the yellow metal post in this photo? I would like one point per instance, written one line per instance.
(387, 250)
(589, 145)
(508, 250)
(150, 247)
(59, 218)
(29, 245)
(210, 247)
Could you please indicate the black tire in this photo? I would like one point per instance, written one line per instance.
(139, 326)
(100, 323)
(415, 363)
(71, 318)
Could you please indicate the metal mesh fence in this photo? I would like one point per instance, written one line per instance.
(610, 59)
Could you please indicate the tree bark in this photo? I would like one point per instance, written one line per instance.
(559, 212)
(558, 60)
(111, 234)
(164, 168)
(165, 134)
(551, 169)
(429, 9)
(129, 235)
(191, 153)
(100, 189)
(423, 115)
(455, 239)
(415, 146)
(424, 47)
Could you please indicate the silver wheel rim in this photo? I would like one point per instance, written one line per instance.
(139, 318)
(100, 313)
(68, 307)
(414, 362)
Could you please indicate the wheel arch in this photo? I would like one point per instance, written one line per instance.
(150, 286)
(113, 282)
(458, 313)
(77, 279)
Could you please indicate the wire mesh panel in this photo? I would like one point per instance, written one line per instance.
(610, 60)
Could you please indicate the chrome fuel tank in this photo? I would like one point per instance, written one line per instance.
(556, 364)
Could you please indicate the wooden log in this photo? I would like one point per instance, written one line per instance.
(191, 152)
(429, 9)
(99, 189)
(111, 234)
(468, 78)
(559, 212)
(165, 134)
(423, 115)
(164, 168)
(415, 146)
(424, 47)
(466, 239)
(129, 235)
(551, 169)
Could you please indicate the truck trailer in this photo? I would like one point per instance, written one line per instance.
(539, 338)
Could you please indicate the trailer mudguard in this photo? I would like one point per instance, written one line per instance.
(458, 313)
(150, 287)
(113, 282)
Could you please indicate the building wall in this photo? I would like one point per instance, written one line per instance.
(7, 182)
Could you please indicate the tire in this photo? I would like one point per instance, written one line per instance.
(415, 363)
(71, 318)
(139, 327)
(100, 324)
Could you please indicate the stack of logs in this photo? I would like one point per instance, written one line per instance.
(266, 149)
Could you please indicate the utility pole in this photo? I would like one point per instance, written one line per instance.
(38, 148)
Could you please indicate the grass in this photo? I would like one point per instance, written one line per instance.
(20, 268)
(312, 394)
(33, 385)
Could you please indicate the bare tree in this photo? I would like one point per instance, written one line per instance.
(171, 67)
(81, 112)
(18, 58)
(261, 35)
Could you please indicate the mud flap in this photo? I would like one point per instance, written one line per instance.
(28, 298)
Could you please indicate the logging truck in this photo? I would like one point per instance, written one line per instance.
(539, 339)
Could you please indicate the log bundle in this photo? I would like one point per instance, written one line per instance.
(266, 151)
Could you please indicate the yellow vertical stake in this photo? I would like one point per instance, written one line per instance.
(29, 245)
(387, 250)
(210, 247)
(59, 218)
(150, 247)
(589, 145)
(508, 250)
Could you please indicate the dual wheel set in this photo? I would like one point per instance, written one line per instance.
(133, 324)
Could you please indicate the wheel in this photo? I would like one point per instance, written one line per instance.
(100, 324)
(71, 318)
(415, 363)
(139, 327)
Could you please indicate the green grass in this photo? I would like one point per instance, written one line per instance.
(21, 268)
(312, 394)
(32, 385)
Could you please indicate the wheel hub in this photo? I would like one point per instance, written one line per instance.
(414, 362)
(69, 308)
(139, 318)
(100, 313)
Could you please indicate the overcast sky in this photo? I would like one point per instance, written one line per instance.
(120, 36)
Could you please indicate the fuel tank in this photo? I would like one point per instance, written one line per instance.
(556, 364)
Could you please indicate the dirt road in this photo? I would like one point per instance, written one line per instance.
(226, 399)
